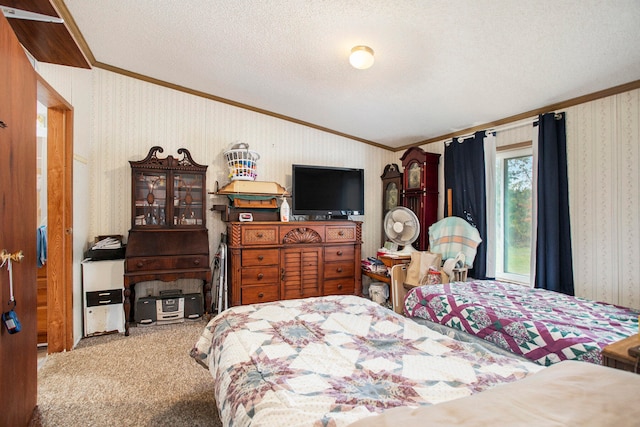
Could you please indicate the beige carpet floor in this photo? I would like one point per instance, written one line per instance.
(145, 379)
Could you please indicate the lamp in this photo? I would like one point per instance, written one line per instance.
(361, 57)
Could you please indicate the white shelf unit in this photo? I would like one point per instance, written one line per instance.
(103, 289)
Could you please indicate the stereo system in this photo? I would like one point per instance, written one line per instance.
(172, 306)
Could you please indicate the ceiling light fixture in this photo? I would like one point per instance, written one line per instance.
(361, 57)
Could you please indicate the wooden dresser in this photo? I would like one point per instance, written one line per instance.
(270, 261)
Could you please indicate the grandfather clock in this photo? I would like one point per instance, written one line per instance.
(420, 190)
(391, 191)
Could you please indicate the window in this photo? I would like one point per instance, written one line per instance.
(514, 189)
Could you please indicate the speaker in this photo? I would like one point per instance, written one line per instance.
(193, 306)
(146, 311)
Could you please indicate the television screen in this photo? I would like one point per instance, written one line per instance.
(329, 191)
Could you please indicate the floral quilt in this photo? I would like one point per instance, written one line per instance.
(330, 361)
(541, 325)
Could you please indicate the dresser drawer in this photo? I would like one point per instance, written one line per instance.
(260, 235)
(258, 294)
(257, 275)
(345, 286)
(340, 234)
(255, 257)
(167, 263)
(338, 269)
(339, 253)
(105, 297)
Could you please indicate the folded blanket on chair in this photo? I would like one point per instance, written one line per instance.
(452, 235)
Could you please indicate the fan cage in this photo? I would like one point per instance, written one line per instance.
(390, 219)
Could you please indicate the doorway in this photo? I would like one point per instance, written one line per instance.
(59, 218)
(41, 209)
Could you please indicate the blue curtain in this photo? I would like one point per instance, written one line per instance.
(554, 269)
(464, 174)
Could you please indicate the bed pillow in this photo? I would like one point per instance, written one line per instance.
(419, 266)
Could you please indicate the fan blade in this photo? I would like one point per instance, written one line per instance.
(400, 215)
(408, 233)
(392, 234)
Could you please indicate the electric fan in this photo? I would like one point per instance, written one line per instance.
(401, 226)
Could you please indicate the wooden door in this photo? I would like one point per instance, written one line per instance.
(301, 273)
(18, 352)
(60, 218)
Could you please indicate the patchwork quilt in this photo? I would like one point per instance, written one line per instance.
(329, 361)
(543, 326)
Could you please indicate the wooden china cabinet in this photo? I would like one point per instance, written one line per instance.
(420, 190)
(168, 239)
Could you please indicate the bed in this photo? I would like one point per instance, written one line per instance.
(543, 326)
(569, 393)
(331, 361)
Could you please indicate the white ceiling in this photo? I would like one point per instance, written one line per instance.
(440, 66)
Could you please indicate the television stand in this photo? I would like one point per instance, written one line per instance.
(272, 261)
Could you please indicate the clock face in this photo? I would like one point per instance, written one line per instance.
(414, 176)
(391, 196)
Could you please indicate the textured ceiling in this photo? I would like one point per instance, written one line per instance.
(440, 66)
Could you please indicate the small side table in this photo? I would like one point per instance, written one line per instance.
(616, 355)
(389, 261)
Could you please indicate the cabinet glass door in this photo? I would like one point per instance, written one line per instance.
(188, 206)
(150, 198)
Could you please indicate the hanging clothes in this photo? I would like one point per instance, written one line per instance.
(41, 246)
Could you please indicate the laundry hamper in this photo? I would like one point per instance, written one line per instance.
(242, 162)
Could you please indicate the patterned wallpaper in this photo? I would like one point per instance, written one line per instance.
(129, 116)
(119, 118)
(603, 145)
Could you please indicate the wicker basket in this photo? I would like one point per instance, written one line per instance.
(242, 162)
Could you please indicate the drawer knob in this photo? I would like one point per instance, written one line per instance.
(261, 295)
(260, 258)
(340, 233)
(260, 276)
(196, 261)
(339, 285)
(339, 269)
(339, 253)
(140, 264)
(259, 235)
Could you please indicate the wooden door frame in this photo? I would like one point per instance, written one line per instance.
(59, 218)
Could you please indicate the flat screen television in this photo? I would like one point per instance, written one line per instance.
(331, 192)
